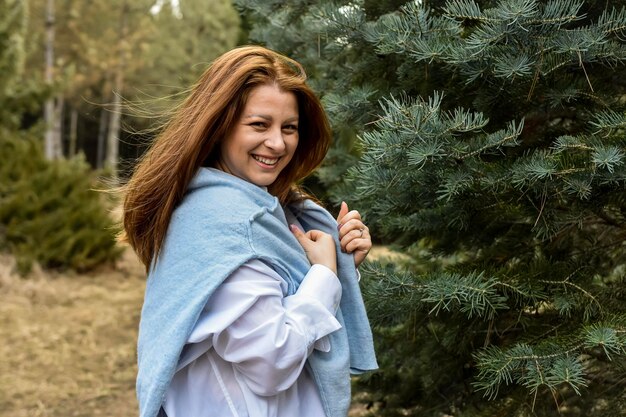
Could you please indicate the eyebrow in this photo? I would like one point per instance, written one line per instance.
(269, 118)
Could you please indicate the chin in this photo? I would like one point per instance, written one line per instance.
(263, 182)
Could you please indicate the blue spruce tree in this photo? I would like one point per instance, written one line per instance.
(491, 147)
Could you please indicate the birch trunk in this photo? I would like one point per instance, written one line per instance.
(104, 119)
(114, 121)
(113, 134)
(49, 110)
(57, 127)
(102, 131)
(73, 132)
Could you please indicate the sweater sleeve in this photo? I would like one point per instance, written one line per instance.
(266, 335)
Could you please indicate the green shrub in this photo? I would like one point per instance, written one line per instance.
(49, 212)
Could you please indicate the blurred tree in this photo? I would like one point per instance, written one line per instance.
(189, 37)
(53, 107)
(49, 212)
(13, 18)
(107, 54)
(122, 52)
(17, 95)
(88, 58)
(496, 158)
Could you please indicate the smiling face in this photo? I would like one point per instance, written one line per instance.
(265, 137)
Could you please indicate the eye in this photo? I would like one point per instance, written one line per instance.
(291, 128)
(258, 125)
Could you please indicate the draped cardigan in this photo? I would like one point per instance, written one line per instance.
(222, 223)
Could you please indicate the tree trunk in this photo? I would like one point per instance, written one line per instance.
(58, 127)
(102, 130)
(113, 135)
(73, 132)
(104, 118)
(49, 136)
(116, 115)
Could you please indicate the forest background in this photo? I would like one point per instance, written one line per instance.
(483, 141)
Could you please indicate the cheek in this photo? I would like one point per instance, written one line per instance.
(235, 150)
(293, 144)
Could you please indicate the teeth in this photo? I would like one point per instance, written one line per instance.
(266, 161)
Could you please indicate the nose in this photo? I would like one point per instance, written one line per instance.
(275, 140)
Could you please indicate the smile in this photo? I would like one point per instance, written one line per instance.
(266, 161)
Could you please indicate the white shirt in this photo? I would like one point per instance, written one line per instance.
(247, 352)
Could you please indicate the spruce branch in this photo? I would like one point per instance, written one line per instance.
(568, 143)
(486, 36)
(528, 366)
(332, 18)
(515, 10)
(524, 294)
(504, 137)
(549, 364)
(607, 157)
(581, 187)
(512, 66)
(609, 339)
(472, 294)
(464, 10)
(464, 121)
(537, 166)
(567, 282)
(567, 370)
(608, 121)
(613, 22)
(455, 184)
(390, 34)
(558, 12)
(428, 51)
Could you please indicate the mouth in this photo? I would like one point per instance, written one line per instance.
(265, 160)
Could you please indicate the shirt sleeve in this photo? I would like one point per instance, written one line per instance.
(266, 335)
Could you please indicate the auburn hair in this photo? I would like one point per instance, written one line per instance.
(192, 138)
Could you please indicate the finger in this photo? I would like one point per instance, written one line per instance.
(299, 234)
(359, 245)
(359, 257)
(315, 235)
(354, 233)
(350, 225)
(353, 214)
(351, 242)
(342, 211)
(360, 237)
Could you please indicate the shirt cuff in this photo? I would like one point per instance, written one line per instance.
(314, 306)
(322, 284)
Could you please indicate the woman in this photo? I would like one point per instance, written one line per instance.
(252, 306)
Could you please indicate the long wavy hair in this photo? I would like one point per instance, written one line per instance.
(192, 138)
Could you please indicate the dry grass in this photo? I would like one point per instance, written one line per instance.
(383, 253)
(68, 341)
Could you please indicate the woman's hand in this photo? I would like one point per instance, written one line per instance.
(353, 234)
(318, 246)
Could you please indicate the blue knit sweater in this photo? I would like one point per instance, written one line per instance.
(222, 223)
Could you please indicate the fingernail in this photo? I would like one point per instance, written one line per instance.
(293, 228)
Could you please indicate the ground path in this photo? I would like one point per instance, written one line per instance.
(67, 341)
